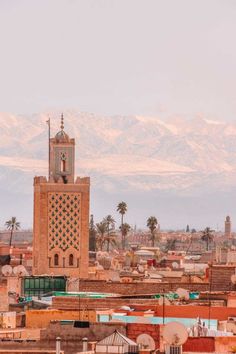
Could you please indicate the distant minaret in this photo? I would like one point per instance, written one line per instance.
(228, 227)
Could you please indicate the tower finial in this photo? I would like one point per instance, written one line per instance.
(62, 122)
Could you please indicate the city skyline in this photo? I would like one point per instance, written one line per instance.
(181, 171)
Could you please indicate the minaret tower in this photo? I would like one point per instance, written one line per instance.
(61, 213)
(228, 227)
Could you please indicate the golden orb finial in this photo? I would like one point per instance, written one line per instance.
(62, 122)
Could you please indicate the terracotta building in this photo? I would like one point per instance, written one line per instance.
(61, 214)
(228, 227)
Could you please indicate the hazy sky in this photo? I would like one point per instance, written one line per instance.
(147, 57)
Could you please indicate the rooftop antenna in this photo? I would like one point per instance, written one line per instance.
(49, 136)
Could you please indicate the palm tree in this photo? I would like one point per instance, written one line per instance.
(152, 224)
(110, 224)
(125, 228)
(12, 225)
(207, 236)
(122, 209)
(110, 240)
(101, 229)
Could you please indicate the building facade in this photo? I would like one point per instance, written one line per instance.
(61, 214)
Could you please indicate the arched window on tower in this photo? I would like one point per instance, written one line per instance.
(56, 260)
(71, 260)
(63, 161)
(63, 165)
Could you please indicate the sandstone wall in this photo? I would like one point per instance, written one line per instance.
(137, 288)
(221, 277)
(42, 318)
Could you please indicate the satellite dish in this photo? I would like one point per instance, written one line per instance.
(233, 278)
(7, 270)
(115, 277)
(20, 270)
(125, 308)
(140, 269)
(175, 333)
(101, 254)
(142, 262)
(182, 293)
(146, 341)
(175, 265)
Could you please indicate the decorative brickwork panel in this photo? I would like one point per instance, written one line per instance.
(64, 221)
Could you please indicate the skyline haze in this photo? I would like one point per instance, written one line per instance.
(112, 57)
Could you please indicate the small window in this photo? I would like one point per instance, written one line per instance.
(63, 165)
(56, 260)
(71, 260)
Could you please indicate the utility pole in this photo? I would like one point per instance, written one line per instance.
(49, 136)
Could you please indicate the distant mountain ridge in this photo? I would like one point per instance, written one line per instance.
(127, 157)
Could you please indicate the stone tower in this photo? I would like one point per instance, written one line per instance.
(228, 227)
(61, 214)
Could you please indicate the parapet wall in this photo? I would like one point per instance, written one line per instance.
(72, 303)
(95, 331)
(138, 288)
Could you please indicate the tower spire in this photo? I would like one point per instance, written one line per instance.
(62, 122)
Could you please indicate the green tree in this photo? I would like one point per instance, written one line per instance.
(152, 224)
(12, 225)
(125, 228)
(92, 234)
(122, 209)
(187, 228)
(207, 236)
(101, 229)
(109, 240)
(110, 225)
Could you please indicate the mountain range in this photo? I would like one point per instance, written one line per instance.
(181, 170)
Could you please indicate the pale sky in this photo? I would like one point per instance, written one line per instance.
(149, 57)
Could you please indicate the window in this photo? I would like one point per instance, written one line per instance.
(63, 165)
(71, 260)
(56, 260)
(40, 285)
(63, 162)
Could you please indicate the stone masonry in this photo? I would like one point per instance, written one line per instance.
(61, 214)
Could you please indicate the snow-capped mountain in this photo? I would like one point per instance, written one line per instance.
(183, 171)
